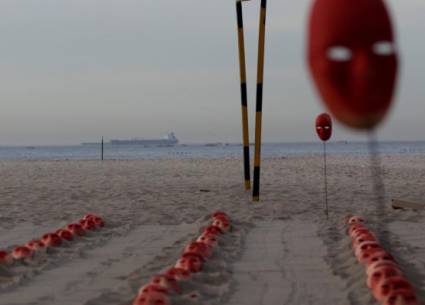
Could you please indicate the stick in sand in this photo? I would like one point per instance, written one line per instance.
(102, 149)
(244, 99)
(326, 180)
(402, 204)
(259, 101)
(377, 177)
(324, 131)
(371, 86)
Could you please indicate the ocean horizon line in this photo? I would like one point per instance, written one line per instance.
(208, 143)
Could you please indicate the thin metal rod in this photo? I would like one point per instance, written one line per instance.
(375, 162)
(326, 180)
(259, 101)
(244, 96)
(378, 186)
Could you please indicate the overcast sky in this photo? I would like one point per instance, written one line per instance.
(71, 71)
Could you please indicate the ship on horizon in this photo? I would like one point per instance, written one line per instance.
(170, 140)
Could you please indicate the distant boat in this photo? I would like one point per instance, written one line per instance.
(169, 141)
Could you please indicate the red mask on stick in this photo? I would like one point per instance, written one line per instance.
(324, 126)
(353, 60)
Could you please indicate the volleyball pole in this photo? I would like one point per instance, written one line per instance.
(244, 97)
(259, 102)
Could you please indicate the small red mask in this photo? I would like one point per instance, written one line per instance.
(353, 60)
(324, 126)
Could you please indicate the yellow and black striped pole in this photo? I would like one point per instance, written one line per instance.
(244, 98)
(259, 101)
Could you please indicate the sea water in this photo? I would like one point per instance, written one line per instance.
(207, 151)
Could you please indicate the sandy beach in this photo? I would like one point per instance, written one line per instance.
(281, 250)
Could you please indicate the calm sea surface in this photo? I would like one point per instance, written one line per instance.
(134, 152)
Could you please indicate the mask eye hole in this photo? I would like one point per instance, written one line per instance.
(339, 54)
(327, 127)
(383, 48)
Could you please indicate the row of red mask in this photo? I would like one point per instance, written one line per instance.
(176, 280)
(384, 276)
(90, 222)
(353, 59)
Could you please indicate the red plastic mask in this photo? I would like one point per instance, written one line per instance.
(324, 126)
(353, 60)
(191, 262)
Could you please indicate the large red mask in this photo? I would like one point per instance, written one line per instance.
(353, 60)
(324, 126)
